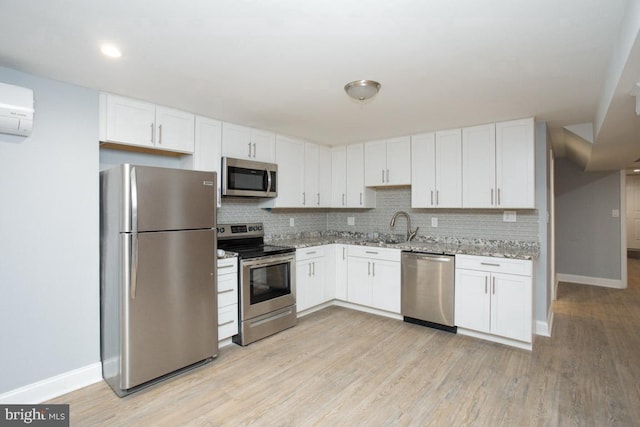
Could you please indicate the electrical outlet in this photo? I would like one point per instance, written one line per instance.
(509, 216)
(434, 222)
(292, 222)
(351, 220)
(615, 213)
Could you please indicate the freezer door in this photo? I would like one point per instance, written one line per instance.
(169, 304)
(169, 199)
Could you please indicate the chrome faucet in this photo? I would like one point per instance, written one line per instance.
(410, 234)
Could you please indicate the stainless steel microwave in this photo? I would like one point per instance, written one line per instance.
(248, 178)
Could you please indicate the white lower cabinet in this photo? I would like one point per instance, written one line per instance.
(493, 296)
(310, 277)
(227, 298)
(373, 277)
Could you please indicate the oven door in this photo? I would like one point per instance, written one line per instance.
(267, 284)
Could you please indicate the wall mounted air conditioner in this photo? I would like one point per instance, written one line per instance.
(16, 110)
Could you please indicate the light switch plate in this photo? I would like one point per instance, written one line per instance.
(434, 222)
(292, 222)
(509, 216)
(615, 213)
(351, 220)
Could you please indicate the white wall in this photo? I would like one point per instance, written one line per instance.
(588, 238)
(49, 283)
(542, 287)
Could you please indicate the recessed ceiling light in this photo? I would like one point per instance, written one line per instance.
(110, 50)
(636, 170)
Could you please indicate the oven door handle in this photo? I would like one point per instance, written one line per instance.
(268, 260)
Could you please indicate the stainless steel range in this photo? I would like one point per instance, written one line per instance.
(266, 281)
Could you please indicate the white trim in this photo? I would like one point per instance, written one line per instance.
(543, 328)
(366, 309)
(314, 309)
(593, 281)
(495, 338)
(623, 228)
(58, 385)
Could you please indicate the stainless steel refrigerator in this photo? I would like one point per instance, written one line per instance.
(157, 273)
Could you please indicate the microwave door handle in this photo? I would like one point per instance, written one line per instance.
(268, 180)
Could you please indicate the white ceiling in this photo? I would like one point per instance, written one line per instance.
(282, 64)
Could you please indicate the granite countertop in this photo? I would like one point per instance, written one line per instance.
(449, 245)
(228, 254)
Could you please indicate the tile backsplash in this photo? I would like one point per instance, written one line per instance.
(463, 223)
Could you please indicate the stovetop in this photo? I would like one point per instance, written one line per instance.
(247, 240)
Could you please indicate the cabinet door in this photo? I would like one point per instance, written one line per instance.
(339, 177)
(386, 285)
(375, 163)
(472, 300)
(315, 291)
(175, 130)
(340, 258)
(311, 197)
(236, 141)
(398, 161)
(263, 144)
(303, 283)
(290, 159)
(208, 145)
(324, 176)
(449, 169)
(130, 121)
(355, 176)
(359, 281)
(423, 170)
(511, 306)
(515, 174)
(479, 165)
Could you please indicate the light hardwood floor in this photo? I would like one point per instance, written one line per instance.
(340, 367)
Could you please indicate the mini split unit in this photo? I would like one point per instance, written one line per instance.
(16, 110)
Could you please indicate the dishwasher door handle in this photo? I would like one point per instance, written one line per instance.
(433, 258)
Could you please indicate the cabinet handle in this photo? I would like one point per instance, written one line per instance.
(490, 264)
(387, 176)
(225, 266)
(368, 268)
(226, 291)
(314, 268)
(309, 272)
(343, 253)
(360, 199)
(249, 149)
(373, 269)
(383, 176)
(160, 134)
(311, 252)
(493, 283)
(437, 197)
(254, 150)
(342, 199)
(485, 284)
(153, 137)
(318, 195)
(371, 252)
(431, 197)
(304, 198)
(226, 323)
(498, 197)
(492, 197)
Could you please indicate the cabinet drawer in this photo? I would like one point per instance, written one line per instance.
(227, 321)
(309, 253)
(371, 252)
(520, 267)
(227, 266)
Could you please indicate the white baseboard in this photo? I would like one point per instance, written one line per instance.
(543, 328)
(593, 281)
(49, 388)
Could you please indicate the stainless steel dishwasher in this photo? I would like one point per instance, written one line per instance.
(428, 289)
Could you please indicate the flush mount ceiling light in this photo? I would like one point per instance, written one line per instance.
(361, 90)
(110, 50)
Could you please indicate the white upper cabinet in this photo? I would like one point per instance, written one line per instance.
(131, 122)
(515, 164)
(311, 194)
(436, 170)
(498, 164)
(388, 162)
(241, 142)
(324, 176)
(290, 157)
(208, 146)
(339, 177)
(358, 196)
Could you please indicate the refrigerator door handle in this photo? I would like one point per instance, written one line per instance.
(134, 201)
(134, 265)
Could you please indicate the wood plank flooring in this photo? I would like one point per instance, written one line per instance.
(340, 367)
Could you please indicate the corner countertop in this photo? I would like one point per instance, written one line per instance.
(515, 249)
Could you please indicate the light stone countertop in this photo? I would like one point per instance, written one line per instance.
(450, 245)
